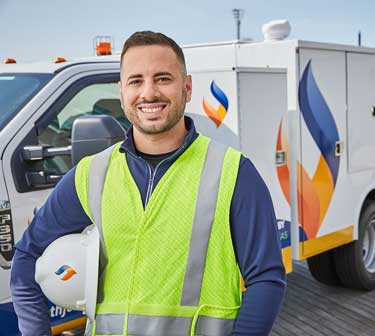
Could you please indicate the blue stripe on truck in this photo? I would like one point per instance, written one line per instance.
(9, 323)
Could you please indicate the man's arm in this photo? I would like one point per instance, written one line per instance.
(62, 214)
(257, 248)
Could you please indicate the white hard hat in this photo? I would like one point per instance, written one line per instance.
(67, 271)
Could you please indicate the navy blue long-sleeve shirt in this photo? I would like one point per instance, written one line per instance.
(253, 228)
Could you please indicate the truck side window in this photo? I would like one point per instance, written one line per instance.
(94, 99)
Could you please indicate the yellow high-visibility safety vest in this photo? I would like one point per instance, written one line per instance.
(168, 269)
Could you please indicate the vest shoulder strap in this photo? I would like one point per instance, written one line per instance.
(96, 179)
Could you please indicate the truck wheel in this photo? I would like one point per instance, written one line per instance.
(322, 268)
(355, 262)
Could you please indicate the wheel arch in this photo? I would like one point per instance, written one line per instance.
(369, 194)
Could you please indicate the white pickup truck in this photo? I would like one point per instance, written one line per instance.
(38, 104)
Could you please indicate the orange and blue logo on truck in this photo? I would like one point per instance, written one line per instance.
(314, 192)
(217, 115)
(318, 190)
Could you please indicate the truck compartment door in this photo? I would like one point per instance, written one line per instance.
(361, 111)
(323, 184)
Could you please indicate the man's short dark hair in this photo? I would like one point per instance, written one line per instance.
(144, 38)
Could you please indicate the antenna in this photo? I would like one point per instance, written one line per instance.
(238, 14)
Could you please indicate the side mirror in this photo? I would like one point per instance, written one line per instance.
(92, 134)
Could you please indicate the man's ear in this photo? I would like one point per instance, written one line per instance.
(188, 87)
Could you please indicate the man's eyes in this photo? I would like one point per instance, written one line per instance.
(163, 79)
(135, 82)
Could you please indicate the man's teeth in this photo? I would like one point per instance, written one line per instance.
(151, 110)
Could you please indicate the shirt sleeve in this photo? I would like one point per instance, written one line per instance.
(257, 249)
(62, 214)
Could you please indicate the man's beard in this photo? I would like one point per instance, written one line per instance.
(172, 119)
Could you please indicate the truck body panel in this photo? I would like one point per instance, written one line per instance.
(328, 65)
(252, 102)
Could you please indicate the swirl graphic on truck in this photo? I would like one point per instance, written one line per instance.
(318, 190)
(217, 115)
(67, 272)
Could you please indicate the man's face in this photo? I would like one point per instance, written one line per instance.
(153, 88)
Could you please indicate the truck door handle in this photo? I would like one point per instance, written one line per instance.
(339, 150)
(280, 158)
(31, 153)
(41, 179)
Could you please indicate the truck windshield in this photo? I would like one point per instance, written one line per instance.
(16, 90)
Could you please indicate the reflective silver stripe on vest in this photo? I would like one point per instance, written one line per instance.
(203, 219)
(158, 325)
(145, 325)
(110, 324)
(211, 326)
(97, 173)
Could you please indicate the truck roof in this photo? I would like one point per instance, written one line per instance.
(52, 67)
(292, 42)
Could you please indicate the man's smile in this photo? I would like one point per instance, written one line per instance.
(151, 107)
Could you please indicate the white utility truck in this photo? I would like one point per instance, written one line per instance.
(317, 156)
(302, 111)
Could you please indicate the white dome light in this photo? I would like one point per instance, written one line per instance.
(276, 30)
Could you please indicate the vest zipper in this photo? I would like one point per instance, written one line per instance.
(150, 183)
(153, 174)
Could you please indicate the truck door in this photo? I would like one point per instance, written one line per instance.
(244, 108)
(361, 112)
(29, 180)
(323, 186)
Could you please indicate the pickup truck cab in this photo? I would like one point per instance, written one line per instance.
(38, 105)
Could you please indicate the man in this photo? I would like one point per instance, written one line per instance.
(173, 248)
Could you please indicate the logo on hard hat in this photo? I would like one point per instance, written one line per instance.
(217, 115)
(66, 271)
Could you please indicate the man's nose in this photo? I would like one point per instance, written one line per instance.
(149, 91)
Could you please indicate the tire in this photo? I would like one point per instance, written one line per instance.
(355, 262)
(322, 267)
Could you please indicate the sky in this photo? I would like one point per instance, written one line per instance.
(33, 30)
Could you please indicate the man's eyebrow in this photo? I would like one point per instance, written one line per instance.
(158, 74)
(134, 76)
(163, 73)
